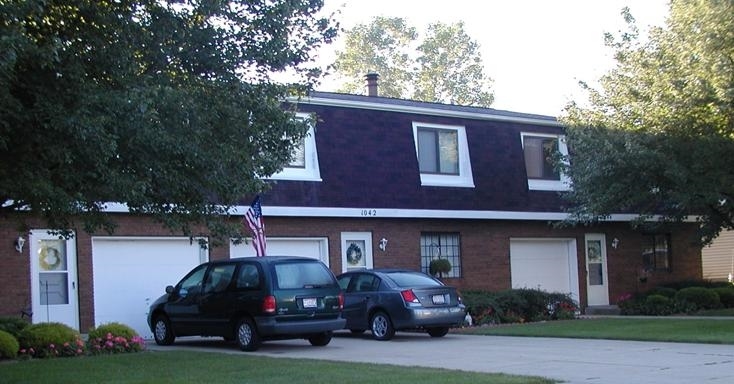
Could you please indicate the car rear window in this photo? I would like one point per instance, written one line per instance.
(409, 279)
(303, 275)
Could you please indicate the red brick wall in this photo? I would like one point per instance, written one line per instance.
(485, 252)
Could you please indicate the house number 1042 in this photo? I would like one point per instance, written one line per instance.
(369, 212)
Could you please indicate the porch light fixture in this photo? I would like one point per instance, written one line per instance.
(383, 244)
(615, 243)
(19, 243)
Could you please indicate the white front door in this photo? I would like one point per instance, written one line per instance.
(54, 288)
(597, 287)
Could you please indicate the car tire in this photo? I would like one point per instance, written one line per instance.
(438, 331)
(246, 335)
(162, 331)
(381, 326)
(320, 339)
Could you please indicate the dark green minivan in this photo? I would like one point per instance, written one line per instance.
(250, 300)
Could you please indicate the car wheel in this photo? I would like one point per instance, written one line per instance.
(357, 331)
(246, 335)
(438, 331)
(321, 339)
(162, 331)
(382, 328)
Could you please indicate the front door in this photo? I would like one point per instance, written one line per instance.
(54, 290)
(597, 286)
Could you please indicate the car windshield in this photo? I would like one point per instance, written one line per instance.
(412, 279)
(302, 275)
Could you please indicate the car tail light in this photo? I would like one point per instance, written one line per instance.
(269, 304)
(341, 300)
(409, 296)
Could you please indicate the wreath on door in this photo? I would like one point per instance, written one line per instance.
(354, 254)
(49, 258)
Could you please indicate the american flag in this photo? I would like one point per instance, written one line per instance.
(254, 220)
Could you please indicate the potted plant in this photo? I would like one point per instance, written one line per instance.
(439, 267)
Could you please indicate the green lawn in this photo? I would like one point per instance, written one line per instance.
(197, 367)
(715, 331)
(203, 367)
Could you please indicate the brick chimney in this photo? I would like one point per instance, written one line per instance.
(371, 79)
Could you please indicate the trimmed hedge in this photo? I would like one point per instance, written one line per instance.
(518, 306)
(8, 346)
(13, 325)
(50, 340)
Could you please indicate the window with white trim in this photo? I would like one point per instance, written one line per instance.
(539, 151)
(304, 164)
(443, 155)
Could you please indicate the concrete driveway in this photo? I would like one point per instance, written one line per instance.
(568, 360)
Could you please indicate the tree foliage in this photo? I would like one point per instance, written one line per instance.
(657, 138)
(168, 107)
(445, 66)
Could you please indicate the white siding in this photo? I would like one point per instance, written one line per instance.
(718, 258)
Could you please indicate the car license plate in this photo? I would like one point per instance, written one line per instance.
(309, 302)
(439, 299)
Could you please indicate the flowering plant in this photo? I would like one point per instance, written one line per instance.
(116, 344)
(67, 349)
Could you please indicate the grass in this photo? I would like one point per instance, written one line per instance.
(203, 367)
(197, 367)
(699, 330)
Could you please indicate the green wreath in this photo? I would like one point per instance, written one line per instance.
(49, 260)
(354, 254)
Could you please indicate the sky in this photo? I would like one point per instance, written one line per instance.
(536, 51)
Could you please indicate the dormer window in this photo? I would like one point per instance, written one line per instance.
(540, 151)
(304, 163)
(443, 155)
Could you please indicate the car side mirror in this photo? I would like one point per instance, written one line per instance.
(169, 289)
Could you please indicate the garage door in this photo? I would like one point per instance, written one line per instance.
(130, 273)
(546, 264)
(316, 248)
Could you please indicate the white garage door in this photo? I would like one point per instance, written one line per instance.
(316, 248)
(130, 273)
(546, 264)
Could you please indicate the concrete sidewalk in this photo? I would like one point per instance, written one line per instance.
(569, 360)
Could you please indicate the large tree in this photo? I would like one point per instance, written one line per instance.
(445, 66)
(657, 138)
(167, 107)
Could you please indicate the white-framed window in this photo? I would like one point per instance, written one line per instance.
(539, 151)
(443, 155)
(304, 164)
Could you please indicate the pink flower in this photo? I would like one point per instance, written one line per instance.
(52, 346)
(66, 344)
(79, 351)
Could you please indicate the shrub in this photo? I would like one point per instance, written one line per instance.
(114, 338)
(116, 329)
(8, 345)
(726, 296)
(12, 325)
(511, 306)
(50, 340)
(658, 305)
(482, 307)
(663, 291)
(562, 307)
(630, 304)
(697, 298)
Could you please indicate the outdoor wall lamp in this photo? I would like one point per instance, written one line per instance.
(615, 243)
(19, 243)
(383, 244)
